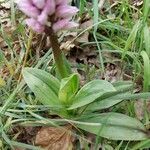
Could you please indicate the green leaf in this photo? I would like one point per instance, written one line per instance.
(110, 99)
(103, 103)
(90, 92)
(122, 86)
(113, 126)
(131, 37)
(142, 145)
(47, 78)
(68, 88)
(146, 10)
(146, 71)
(147, 39)
(106, 102)
(96, 14)
(44, 86)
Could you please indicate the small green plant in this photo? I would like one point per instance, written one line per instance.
(81, 105)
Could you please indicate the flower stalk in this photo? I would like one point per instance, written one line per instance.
(57, 53)
(50, 17)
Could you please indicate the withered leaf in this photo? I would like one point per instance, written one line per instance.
(52, 138)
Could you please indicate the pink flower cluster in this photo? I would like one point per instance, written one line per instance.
(39, 12)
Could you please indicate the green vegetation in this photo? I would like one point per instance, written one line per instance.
(34, 94)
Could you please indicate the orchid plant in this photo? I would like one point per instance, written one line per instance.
(65, 97)
(49, 17)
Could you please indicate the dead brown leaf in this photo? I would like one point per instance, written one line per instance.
(52, 138)
(85, 36)
(140, 109)
(67, 45)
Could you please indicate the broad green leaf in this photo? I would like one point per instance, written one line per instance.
(123, 92)
(100, 104)
(113, 126)
(90, 92)
(122, 86)
(103, 103)
(47, 78)
(68, 88)
(112, 98)
(44, 86)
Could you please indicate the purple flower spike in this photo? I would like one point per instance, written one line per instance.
(64, 24)
(39, 3)
(61, 2)
(43, 18)
(41, 13)
(70, 25)
(50, 7)
(34, 25)
(26, 7)
(60, 24)
(65, 11)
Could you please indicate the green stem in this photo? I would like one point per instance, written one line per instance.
(58, 54)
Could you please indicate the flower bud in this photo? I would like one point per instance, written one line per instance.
(70, 25)
(61, 2)
(66, 11)
(42, 19)
(39, 3)
(50, 6)
(26, 7)
(35, 25)
(64, 24)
